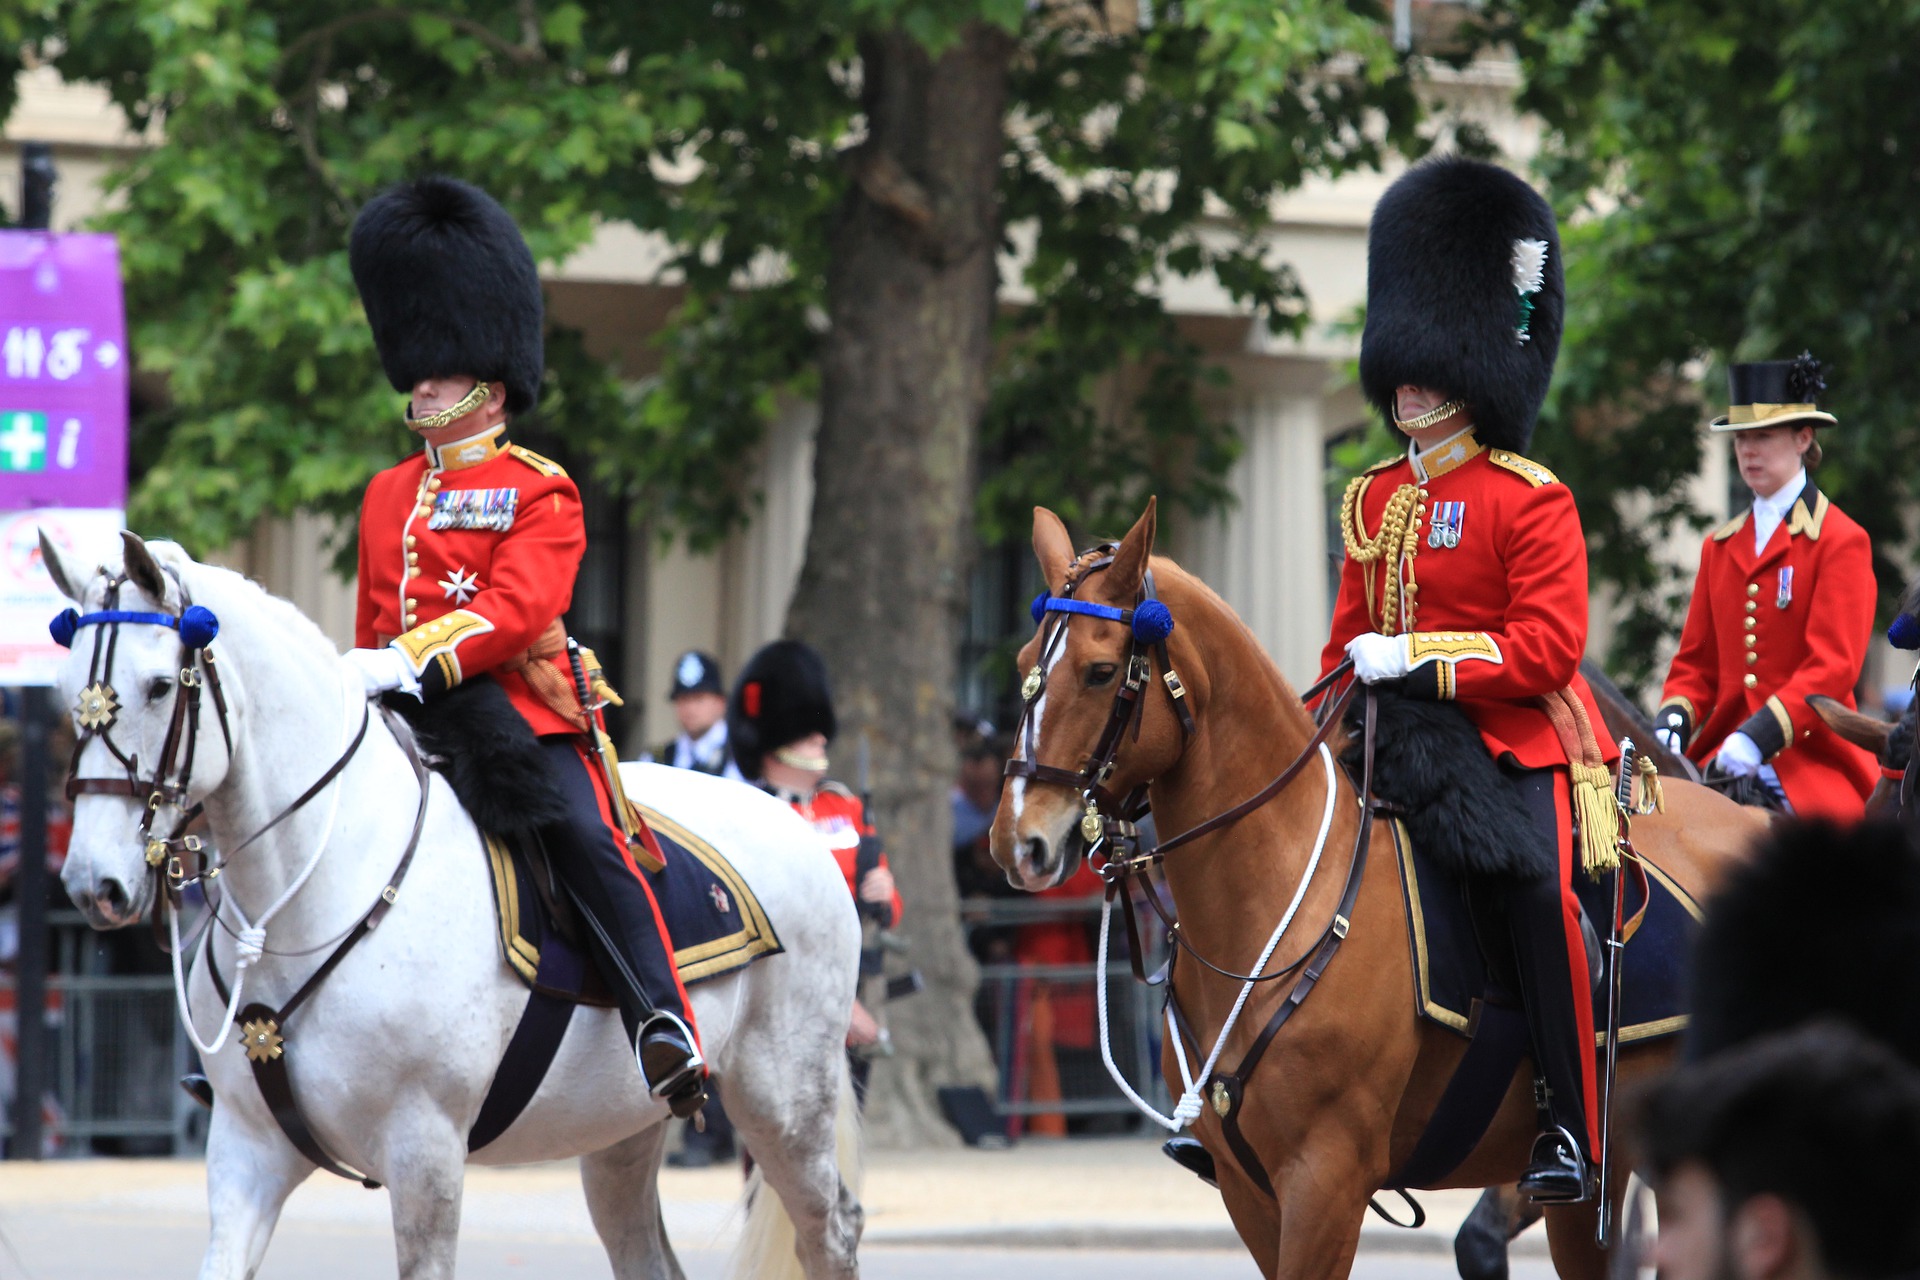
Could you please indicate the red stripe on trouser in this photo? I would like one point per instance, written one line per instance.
(1577, 957)
(592, 765)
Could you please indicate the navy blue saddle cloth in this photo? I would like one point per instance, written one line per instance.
(1453, 987)
(712, 914)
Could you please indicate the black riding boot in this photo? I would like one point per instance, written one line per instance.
(625, 935)
(1559, 1170)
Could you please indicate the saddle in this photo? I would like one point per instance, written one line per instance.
(473, 737)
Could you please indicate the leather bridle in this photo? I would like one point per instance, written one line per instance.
(1110, 821)
(1053, 613)
(172, 778)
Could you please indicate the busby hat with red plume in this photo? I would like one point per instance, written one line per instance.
(450, 288)
(1465, 295)
(782, 696)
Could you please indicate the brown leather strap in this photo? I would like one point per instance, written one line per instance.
(276, 1090)
(1279, 784)
(1233, 1082)
(270, 1071)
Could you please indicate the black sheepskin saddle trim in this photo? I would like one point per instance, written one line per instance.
(1430, 763)
(489, 754)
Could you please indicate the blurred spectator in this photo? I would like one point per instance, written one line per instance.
(1792, 1156)
(1824, 921)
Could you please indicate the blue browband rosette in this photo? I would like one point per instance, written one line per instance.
(65, 623)
(198, 626)
(1151, 621)
(1904, 632)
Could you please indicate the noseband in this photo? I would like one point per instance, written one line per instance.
(99, 706)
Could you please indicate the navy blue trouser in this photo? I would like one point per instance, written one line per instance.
(590, 862)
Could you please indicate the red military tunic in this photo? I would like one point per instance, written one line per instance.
(837, 814)
(464, 564)
(1499, 617)
(1766, 630)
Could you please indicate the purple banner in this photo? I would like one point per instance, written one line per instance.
(63, 372)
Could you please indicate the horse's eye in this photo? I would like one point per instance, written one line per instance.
(1101, 673)
(158, 688)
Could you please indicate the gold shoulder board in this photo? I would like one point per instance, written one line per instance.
(841, 788)
(545, 466)
(1526, 468)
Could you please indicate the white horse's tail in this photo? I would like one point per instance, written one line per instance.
(767, 1248)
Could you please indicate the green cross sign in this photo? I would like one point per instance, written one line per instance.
(23, 441)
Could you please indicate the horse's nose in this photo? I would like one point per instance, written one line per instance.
(1034, 862)
(113, 899)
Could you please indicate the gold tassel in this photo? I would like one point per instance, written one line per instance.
(1598, 814)
(1653, 797)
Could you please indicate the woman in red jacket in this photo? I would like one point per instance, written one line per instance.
(1782, 608)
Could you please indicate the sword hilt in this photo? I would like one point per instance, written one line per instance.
(1623, 787)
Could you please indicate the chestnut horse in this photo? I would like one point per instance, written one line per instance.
(1351, 1081)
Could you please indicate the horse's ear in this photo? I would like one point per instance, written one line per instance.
(65, 575)
(142, 569)
(1052, 547)
(1129, 566)
(1862, 731)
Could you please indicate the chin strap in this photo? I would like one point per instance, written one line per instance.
(481, 393)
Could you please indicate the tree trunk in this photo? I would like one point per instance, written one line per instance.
(911, 288)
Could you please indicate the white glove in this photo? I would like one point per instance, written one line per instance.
(1377, 657)
(1669, 732)
(1739, 754)
(382, 670)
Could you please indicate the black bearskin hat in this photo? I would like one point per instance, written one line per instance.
(782, 696)
(1824, 922)
(1452, 245)
(450, 288)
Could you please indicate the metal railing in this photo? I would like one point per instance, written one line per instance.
(118, 1051)
(1039, 1014)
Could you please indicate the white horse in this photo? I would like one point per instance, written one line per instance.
(393, 1054)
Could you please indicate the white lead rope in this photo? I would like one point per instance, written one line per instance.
(1187, 1110)
(250, 940)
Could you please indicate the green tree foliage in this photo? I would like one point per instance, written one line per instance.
(1740, 183)
(1134, 150)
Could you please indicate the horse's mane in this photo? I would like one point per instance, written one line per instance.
(240, 601)
(1166, 570)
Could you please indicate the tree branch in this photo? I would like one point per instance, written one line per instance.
(519, 53)
(882, 180)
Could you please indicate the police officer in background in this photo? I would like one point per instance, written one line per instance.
(699, 698)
